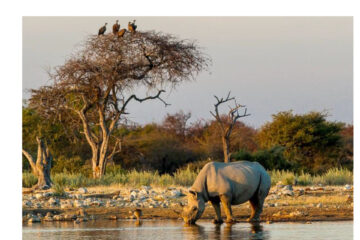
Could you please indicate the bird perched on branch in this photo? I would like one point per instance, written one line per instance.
(132, 27)
(102, 30)
(116, 27)
(121, 32)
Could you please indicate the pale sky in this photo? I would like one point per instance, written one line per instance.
(270, 64)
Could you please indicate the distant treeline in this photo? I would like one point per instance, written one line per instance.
(293, 142)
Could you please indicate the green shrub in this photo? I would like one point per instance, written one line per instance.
(185, 177)
(304, 179)
(286, 177)
(335, 176)
(58, 189)
(182, 177)
(28, 179)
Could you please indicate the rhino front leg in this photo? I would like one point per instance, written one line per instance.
(226, 202)
(216, 205)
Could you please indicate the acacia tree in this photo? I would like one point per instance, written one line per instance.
(95, 86)
(42, 166)
(227, 122)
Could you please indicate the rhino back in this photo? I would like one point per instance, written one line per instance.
(239, 180)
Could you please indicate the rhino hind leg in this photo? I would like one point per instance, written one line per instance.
(226, 202)
(256, 202)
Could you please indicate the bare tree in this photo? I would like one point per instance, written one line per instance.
(41, 167)
(177, 123)
(227, 122)
(94, 87)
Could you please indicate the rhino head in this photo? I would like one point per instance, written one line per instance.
(195, 208)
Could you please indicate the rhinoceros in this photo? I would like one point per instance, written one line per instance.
(231, 184)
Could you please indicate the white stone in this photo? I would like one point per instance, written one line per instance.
(287, 193)
(288, 187)
(78, 203)
(82, 190)
(39, 196)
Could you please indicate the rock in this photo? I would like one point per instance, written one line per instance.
(48, 219)
(297, 213)
(301, 191)
(69, 217)
(287, 193)
(59, 217)
(64, 205)
(347, 187)
(78, 203)
(144, 192)
(82, 190)
(78, 196)
(273, 197)
(39, 196)
(175, 193)
(288, 187)
(147, 188)
(47, 194)
(319, 205)
(27, 204)
(278, 214)
(38, 205)
(53, 201)
(33, 219)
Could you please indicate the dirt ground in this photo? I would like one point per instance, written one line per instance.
(335, 205)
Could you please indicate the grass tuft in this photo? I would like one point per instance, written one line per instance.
(182, 177)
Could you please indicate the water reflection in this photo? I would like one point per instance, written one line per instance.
(145, 229)
(226, 231)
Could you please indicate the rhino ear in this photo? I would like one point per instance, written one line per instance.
(192, 192)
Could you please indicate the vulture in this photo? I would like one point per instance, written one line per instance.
(102, 30)
(132, 27)
(116, 27)
(121, 32)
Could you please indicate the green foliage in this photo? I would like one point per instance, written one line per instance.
(182, 177)
(67, 164)
(284, 176)
(272, 158)
(335, 176)
(310, 142)
(58, 189)
(28, 179)
(185, 177)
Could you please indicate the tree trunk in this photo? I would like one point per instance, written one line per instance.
(226, 145)
(100, 158)
(42, 166)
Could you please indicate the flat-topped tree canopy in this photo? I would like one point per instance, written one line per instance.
(98, 81)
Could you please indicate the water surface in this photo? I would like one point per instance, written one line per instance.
(168, 229)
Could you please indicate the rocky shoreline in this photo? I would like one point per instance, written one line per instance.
(284, 203)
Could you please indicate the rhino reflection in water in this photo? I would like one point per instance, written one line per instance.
(231, 184)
